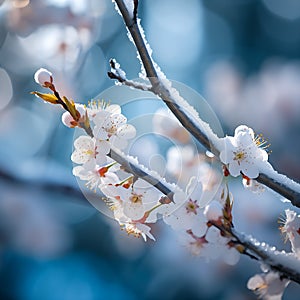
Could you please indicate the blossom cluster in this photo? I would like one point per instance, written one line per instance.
(198, 210)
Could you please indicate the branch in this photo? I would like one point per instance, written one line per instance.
(278, 261)
(118, 74)
(130, 165)
(189, 118)
(286, 264)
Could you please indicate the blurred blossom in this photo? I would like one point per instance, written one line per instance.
(20, 3)
(59, 46)
(6, 91)
(274, 91)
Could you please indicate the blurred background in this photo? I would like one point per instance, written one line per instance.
(241, 55)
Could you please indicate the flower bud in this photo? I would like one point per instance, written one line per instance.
(43, 77)
(213, 211)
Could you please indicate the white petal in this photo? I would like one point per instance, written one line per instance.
(42, 75)
(127, 131)
(102, 147)
(250, 170)
(118, 142)
(119, 119)
(79, 157)
(234, 169)
(114, 109)
(100, 133)
(84, 142)
(134, 211)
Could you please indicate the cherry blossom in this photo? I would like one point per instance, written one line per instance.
(187, 214)
(268, 285)
(95, 177)
(135, 200)
(134, 228)
(86, 152)
(291, 228)
(241, 153)
(111, 125)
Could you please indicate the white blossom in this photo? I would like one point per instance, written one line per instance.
(268, 286)
(113, 127)
(134, 228)
(135, 200)
(291, 228)
(242, 154)
(94, 177)
(187, 214)
(88, 153)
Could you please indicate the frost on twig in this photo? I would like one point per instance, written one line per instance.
(185, 113)
(280, 261)
(118, 74)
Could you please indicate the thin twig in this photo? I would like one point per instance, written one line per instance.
(182, 115)
(286, 264)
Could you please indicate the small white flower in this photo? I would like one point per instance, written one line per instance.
(42, 77)
(139, 229)
(292, 229)
(135, 200)
(113, 127)
(95, 107)
(242, 154)
(86, 152)
(268, 285)
(187, 215)
(94, 177)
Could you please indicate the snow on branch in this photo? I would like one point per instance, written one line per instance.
(186, 114)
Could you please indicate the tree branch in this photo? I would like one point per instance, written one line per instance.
(286, 264)
(199, 129)
(142, 172)
(118, 74)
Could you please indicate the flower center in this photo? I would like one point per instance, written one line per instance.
(89, 152)
(240, 155)
(135, 198)
(111, 130)
(191, 206)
